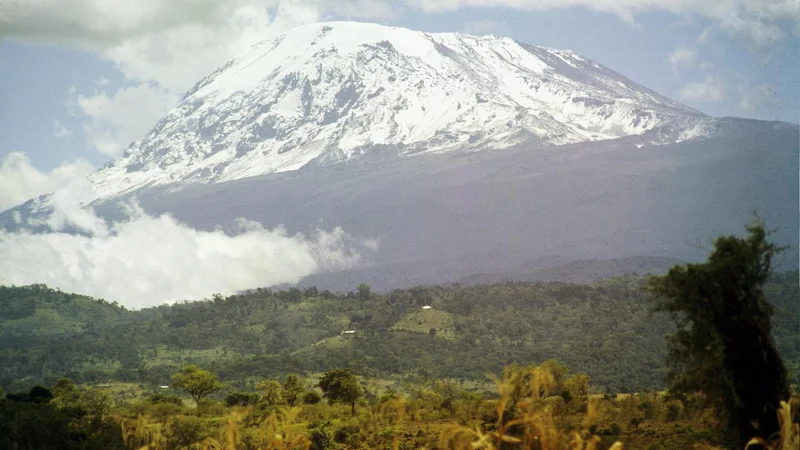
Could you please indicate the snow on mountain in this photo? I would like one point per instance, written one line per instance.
(326, 92)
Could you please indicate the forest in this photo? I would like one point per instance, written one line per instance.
(605, 329)
(627, 361)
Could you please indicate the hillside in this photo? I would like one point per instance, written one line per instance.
(604, 329)
(36, 311)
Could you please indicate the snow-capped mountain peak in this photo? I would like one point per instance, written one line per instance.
(325, 92)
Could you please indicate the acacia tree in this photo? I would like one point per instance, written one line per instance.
(293, 387)
(340, 385)
(723, 344)
(196, 381)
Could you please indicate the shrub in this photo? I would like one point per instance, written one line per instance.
(322, 437)
(160, 398)
(311, 398)
(241, 399)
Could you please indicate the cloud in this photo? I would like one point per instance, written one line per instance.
(757, 20)
(60, 131)
(113, 122)
(710, 90)
(362, 9)
(758, 97)
(20, 181)
(161, 47)
(682, 56)
(146, 260)
(171, 43)
(483, 27)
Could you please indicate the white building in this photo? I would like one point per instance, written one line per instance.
(427, 307)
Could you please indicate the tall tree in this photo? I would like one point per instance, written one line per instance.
(196, 381)
(293, 387)
(723, 344)
(340, 385)
(271, 392)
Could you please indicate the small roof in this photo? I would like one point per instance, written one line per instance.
(164, 387)
(349, 331)
(427, 307)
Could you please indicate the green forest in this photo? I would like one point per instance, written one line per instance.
(655, 361)
(605, 329)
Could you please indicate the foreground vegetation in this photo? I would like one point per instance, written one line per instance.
(531, 407)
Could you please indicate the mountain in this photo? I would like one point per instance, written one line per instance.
(586, 271)
(460, 155)
(327, 92)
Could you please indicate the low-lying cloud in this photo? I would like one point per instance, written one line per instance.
(20, 181)
(147, 260)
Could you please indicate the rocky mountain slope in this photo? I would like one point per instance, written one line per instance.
(328, 92)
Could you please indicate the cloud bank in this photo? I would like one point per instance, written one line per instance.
(146, 260)
(20, 181)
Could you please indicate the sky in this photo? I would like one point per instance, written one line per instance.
(82, 79)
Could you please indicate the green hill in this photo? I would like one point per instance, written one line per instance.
(37, 311)
(604, 329)
(432, 322)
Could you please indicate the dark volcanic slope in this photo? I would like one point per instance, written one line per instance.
(446, 217)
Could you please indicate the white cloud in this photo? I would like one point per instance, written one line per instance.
(116, 121)
(682, 56)
(483, 27)
(758, 97)
(162, 48)
(60, 131)
(757, 20)
(710, 90)
(20, 181)
(147, 260)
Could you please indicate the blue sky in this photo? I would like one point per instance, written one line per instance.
(81, 84)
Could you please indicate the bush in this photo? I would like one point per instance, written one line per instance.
(321, 437)
(241, 399)
(673, 410)
(160, 398)
(348, 433)
(311, 398)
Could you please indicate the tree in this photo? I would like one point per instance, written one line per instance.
(450, 392)
(185, 430)
(723, 344)
(340, 385)
(577, 387)
(196, 382)
(96, 402)
(65, 393)
(293, 387)
(271, 392)
(364, 291)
